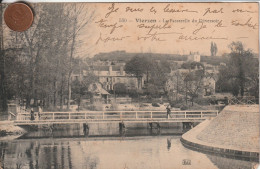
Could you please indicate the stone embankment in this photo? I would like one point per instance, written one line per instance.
(234, 133)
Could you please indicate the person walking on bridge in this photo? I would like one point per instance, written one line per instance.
(168, 109)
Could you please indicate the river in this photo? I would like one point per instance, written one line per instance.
(132, 149)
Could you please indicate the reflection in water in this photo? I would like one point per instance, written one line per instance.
(106, 147)
(169, 144)
(151, 152)
(97, 130)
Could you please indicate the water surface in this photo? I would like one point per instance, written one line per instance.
(146, 150)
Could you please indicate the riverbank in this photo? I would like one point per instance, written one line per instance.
(8, 129)
(234, 133)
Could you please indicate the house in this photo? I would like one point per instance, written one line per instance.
(98, 93)
(109, 75)
(193, 81)
(113, 74)
(194, 57)
(209, 84)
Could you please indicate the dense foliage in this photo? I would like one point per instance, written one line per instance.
(37, 64)
(241, 75)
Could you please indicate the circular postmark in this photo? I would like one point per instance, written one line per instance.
(18, 17)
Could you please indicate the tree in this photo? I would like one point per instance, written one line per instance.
(152, 90)
(159, 75)
(80, 87)
(3, 93)
(41, 59)
(213, 49)
(186, 82)
(155, 71)
(192, 65)
(176, 85)
(194, 84)
(120, 88)
(37, 54)
(77, 11)
(241, 73)
(139, 66)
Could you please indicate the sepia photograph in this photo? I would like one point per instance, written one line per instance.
(169, 85)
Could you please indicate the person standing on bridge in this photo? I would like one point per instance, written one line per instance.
(32, 114)
(168, 108)
(39, 112)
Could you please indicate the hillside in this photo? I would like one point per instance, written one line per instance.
(124, 56)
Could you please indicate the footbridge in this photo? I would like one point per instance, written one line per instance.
(23, 119)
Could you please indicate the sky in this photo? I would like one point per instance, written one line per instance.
(239, 22)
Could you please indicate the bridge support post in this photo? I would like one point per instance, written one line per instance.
(51, 128)
(157, 125)
(150, 125)
(158, 128)
(187, 125)
(155, 128)
(184, 125)
(85, 129)
(121, 128)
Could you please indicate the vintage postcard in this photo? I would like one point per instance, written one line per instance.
(129, 85)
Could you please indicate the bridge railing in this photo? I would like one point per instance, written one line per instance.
(245, 100)
(118, 115)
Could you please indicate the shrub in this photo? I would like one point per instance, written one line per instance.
(96, 106)
(203, 101)
(133, 93)
(155, 105)
(114, 106)
(120, 88)
(143, 105)
(184, 107)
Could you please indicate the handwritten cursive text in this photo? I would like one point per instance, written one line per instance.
(102, 23)
(248, 23)
(154, 26)
(109, 38)
(111, 9)
(168, 9)
(208, 11)
(154, 36)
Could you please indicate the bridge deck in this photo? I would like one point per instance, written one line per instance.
(114, 116)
